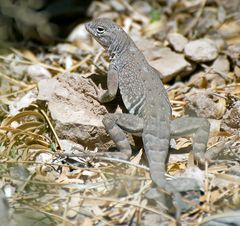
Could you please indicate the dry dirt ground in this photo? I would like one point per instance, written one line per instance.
(52, 141)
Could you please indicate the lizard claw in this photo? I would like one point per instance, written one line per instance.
(92, 96)
(98, 88)
(93, 84)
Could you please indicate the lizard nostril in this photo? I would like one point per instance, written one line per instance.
(88, 26)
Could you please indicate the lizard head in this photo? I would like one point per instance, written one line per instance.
(104, 31)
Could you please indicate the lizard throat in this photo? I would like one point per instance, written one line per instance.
(118, 47)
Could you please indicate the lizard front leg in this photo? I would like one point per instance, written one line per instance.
(199, 127)
(105, 96)
(115, 124)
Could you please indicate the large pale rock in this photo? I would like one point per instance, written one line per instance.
(177, 41)
(78, 117)
(169, 63)
(201, 50)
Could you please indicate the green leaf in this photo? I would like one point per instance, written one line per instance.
(155, 15)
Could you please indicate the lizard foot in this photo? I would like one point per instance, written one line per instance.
(176, 197)
(98, 89)
(164, 202)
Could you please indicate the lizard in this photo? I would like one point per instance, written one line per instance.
(147, 102)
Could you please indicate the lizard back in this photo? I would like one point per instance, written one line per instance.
(140, 85)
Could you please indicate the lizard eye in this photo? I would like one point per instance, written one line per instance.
(100, 30)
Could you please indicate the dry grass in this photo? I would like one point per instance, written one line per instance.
(94, 189)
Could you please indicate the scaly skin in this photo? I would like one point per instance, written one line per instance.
(146, 100)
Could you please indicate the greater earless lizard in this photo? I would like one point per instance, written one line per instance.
(146, 99)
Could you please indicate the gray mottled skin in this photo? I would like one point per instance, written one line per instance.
(147, 101)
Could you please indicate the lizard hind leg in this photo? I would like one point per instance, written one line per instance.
(199, 127)
(116, 124)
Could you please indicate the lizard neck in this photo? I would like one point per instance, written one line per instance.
(118, 46)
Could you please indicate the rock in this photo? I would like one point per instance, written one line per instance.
(79, 35)
(169, 63)
(230, 31)
(19, 175)
(146, 45)
(78, 117)
(71, 213)
(177, 41)
(218, 41)
(231, 7)
(188, 186)
(233, 52)
(234, 170)
(224, 150)
(46, 89)
(213, 76)
(191, 191)
(34, 72)
(227, 218)
(37, 72)
(96, 10)
(18, 71)
(22, 102)
(142, 7)
(190, 183)
(201, 50)
(117, 6)
(194, 179)
(154, 219)
(202, 79)
(45, 157)
(208, 22)
(66, 48)
(4, 210)
(204, 104)
(237, 72)
(231, 119)
(70, 147)
(221, 65)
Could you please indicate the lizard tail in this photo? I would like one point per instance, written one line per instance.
(156, 139)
